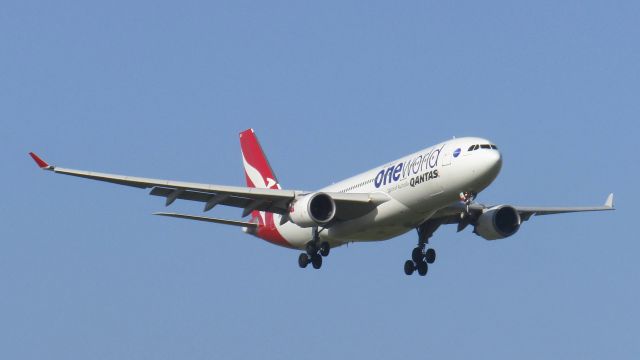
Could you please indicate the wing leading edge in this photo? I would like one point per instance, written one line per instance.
(274, 200)
(528, 211)
(451, 214)
(250, 199)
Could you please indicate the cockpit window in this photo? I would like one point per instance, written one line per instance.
(482, 146)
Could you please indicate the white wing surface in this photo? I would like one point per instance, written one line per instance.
(451, 214)
(348, 206)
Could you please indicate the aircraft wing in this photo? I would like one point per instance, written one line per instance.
(451, 214)
(527, 211)
(250, 199)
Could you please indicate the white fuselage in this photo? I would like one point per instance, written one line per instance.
(418, 185)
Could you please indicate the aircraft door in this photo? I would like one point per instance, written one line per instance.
(446, 156)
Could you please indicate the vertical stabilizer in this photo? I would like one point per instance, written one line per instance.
(259, 174)
(257, 170)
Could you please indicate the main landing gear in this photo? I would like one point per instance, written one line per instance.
(315, 251)
(421, 257)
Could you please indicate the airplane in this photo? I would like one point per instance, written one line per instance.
(422, 191)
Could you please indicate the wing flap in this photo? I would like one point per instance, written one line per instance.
(214, 199)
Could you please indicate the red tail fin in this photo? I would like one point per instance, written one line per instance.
(256, 166)
(260, 175)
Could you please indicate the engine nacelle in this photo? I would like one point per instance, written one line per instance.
(312, 210)
(498, 222)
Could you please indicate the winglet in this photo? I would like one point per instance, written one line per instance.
(41, 163)
(609, 202)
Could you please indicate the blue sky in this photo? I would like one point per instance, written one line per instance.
(332, 88)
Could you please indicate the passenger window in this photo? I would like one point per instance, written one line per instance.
(485, 146)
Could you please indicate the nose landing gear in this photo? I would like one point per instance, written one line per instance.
(466, 217)
(467, 198)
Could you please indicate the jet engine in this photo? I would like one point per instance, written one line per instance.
(498, 222)
(312, 210)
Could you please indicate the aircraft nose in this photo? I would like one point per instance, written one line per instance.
(493, 163)
(489, 164)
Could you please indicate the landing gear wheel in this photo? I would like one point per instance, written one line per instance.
(311, 248)
(409, 267)
(417, 255)
(430, 256)
(303, 260)
(316, 261)
(422, 268)
(324, 249)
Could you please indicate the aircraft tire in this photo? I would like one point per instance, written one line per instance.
(311, 248)
(422, 268)
(417, 255)
(430, 256)
(325, 248)
(303, 260)
(316, 261)
(409, 267)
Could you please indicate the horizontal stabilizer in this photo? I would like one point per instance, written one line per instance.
(209, 219)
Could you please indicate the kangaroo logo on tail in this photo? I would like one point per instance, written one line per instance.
(256, 166)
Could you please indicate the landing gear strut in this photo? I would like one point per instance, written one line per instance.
(466, 217)
(421, 256)
(315, 251)
(467, 198)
